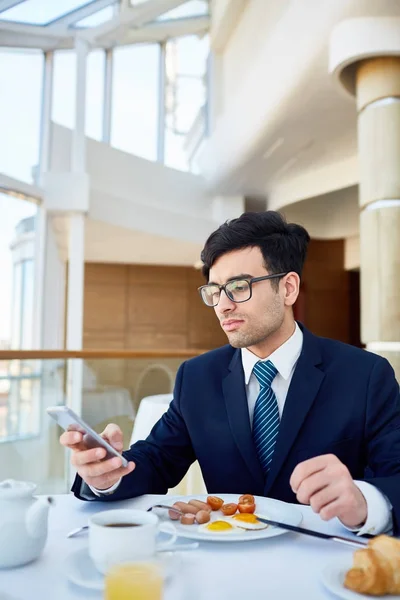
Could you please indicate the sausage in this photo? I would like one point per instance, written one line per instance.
(186, 508)
(203, 516)
(187, 519)
(199, 505)
(174, 515)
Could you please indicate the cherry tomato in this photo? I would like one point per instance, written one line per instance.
(229, 509)
(246, 499)
(246, 508)
(214, 502)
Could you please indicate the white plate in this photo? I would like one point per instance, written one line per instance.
(81, 570)
(273, 509)
(333, 576)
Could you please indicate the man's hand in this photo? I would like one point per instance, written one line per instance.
(326, 484)
(90, 463)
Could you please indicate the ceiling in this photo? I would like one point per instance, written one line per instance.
(328, 216)
(110, 244)
(312, 126)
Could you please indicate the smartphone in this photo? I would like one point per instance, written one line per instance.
(70, 421)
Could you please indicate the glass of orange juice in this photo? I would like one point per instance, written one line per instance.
(138, 581)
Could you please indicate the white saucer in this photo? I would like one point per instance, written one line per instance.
(333, 576)
(81, 570)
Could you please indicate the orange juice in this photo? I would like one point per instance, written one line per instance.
(138, 581)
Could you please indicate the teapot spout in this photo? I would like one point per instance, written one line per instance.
(36, 517)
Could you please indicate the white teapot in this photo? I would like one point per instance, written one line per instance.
(23, 523)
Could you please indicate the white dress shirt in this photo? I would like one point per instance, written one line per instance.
(285, 359)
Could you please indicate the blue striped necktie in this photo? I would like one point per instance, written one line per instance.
(266, 414)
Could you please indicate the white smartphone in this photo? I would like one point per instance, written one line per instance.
(70, 421)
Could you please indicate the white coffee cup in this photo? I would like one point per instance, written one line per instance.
(110, 546)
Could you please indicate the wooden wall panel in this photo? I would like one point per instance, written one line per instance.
(151, 307)
(204, 330)
(326, 290)
(157, 307)
(105, 306)
(143, 307)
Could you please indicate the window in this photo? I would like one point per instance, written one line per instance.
(19, 380)
(20, 104)
(16, 251)
(186, 93)
(94, 94)
(64, 88)
(27, 304)
(63, 110)
(135, 100)
(16, 307)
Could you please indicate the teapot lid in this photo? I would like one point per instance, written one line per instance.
(9, 488)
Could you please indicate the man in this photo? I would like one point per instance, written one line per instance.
(278, 412)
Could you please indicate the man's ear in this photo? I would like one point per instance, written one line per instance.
(291, 283)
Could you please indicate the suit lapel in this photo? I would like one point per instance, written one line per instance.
(238, 415)
(303, 389)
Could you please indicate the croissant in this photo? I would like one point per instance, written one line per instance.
(376, 569)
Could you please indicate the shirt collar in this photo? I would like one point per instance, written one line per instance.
(284, 358)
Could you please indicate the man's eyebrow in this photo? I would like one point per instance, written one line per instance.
(234, 278)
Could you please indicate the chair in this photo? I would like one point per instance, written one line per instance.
(151, 409)
(102, 404)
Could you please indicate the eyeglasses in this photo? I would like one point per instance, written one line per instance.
(237, 290)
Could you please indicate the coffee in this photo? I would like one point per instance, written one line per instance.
(112, 541)
(122, 525)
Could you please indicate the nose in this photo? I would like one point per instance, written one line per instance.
(225, 304)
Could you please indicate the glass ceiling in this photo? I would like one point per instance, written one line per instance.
(47, 12)
(42, 12)
(193, 8)
(101, 16)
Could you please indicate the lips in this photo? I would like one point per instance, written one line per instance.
(231, 324)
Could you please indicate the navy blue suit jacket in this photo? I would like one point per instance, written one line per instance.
(341, 400)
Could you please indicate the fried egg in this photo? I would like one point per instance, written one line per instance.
(248, 521)
(220, 527)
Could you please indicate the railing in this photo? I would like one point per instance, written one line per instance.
(113, 382)
(47, 354)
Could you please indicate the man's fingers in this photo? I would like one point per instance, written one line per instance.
(324, 497)
(85, 457)
(114, 436)
(108, 479)
(311, 486)
(331, 510)
(97, 469)
(69, 439)
(308, 467)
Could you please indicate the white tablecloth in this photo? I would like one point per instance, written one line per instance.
(286, 567)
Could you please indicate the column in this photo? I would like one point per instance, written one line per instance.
(76, 242)
(365, 57)
(78, 154)
(41, 217)
(161, 103)
(107, 104)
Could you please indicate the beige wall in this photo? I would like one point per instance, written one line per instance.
(244, 42)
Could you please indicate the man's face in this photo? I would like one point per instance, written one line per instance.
(248, 323)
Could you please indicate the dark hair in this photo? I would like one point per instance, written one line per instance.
(283, 245)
